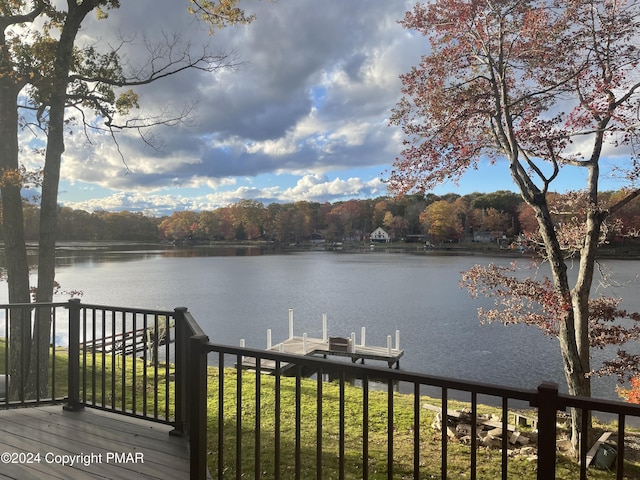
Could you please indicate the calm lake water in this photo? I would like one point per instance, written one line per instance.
(240, 293)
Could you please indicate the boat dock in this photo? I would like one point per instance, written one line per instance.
(327, 346)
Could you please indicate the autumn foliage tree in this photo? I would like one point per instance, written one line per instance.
(442, 222)
(548, 86)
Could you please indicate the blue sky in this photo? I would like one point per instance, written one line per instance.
(304, 115)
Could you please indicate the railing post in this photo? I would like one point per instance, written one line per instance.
(547, 403)
(73, 380)
(197, 380)
(181, 373)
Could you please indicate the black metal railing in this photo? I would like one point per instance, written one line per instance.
(290, 437)
(111, 358)
(39, 375)
(125, 360)
(323, 419)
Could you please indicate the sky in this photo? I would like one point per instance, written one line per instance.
(302, 115)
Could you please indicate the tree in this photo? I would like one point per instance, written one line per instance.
(629, 216)
(179, 227)
(354, 223)
(209, 225)
(249, 216)
(503, 204)
(379, 211)
(548, 86)
(527, 219)
(44, 72)
(496, 221)
(395, 224)
(441, 222)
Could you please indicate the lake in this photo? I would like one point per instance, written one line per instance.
(239, 293)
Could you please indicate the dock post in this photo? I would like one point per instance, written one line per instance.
(290, 323)
(268, 339)
(389, 344)
(353, 342)
(304, 343)
(325, 336)
(398, 340)
(363, 336)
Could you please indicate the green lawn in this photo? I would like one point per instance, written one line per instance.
(129, 392)
(113, 381)
(488, 460)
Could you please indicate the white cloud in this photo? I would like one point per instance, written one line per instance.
(310, 187)
(310, 97)
(317, 188)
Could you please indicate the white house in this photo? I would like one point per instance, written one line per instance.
(380, 235)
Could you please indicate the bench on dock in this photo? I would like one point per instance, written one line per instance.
(338, 344)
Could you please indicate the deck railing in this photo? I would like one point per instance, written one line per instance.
(111, 358)
(248, 412)
(44, 385)
(325, 419)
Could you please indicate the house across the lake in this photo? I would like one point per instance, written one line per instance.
(316, 238)
(380, 235)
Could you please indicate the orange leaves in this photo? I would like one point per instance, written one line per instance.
(21, 178)
(631, 394)
(11, 178)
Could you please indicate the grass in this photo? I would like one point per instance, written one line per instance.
(124, 383)
(458, 458)
(129, 392)
(121, 383)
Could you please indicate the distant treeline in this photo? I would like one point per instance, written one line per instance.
(446, 218)
(99, 225)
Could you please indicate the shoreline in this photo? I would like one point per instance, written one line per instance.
(631, 252)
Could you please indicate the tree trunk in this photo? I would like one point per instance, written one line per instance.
(39, 365)
(14, 240)
(39, 361)
(573, 328)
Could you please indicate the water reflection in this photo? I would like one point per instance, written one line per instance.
(241, 292)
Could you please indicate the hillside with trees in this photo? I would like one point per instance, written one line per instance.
(498, 217)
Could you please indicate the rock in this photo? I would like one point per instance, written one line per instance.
(518, 438)
(491, 442)
(437, 422)
(527, 451)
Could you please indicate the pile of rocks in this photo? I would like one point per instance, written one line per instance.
(489, 431)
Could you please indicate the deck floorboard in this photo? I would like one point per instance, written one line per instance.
(50, 431)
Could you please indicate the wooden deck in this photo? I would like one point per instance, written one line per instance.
(102, 445)
(315, 346)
